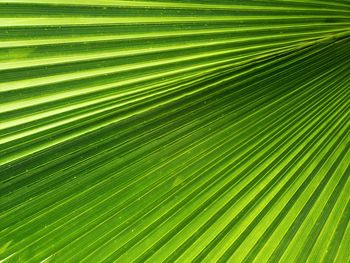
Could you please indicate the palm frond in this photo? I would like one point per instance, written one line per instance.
(176, 130)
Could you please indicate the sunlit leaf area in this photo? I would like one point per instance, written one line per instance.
(175, 131)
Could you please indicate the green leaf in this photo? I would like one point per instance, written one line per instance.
(174, 130)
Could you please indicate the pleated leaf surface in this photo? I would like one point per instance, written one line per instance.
(174, 131)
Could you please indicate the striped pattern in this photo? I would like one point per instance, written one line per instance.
(174, 130)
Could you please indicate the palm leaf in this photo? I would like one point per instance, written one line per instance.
(174, 130)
